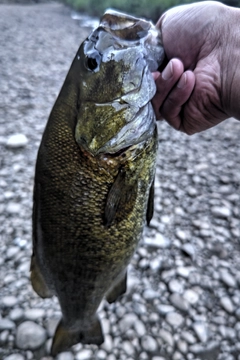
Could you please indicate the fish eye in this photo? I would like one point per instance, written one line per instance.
(92, 61)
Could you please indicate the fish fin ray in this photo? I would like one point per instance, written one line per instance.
(120, 199)
(63, 338)
(38, 283)
(150, 205)
(118, 289)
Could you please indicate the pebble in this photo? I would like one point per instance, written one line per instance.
(128, 348)
(6, 324)
(34, 314)
(166, 336)
(13, 208)
(191, 296)
(175, 285)
(179, 302)
(165, 309)
(189, 249)
(174, 319)
(15, 357)
(67, 355)
(140, 328)
(85, 354)
(159, 241)
(127, 321)
(30, 336)
(16, 141)
(228, 279)
(108, 343)
(16, 314)
(181, 235)
(227, 304)
(221, 212)
(9, 301)
(149, 343)
(201, 331)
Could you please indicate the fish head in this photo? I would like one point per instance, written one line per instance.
(116, 84)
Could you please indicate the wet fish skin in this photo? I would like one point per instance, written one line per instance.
(90, 201)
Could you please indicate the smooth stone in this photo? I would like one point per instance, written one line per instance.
(166, 336)
(222, 212)
(13, 208)
(184, 271)
(179, 302)
(189, 337)
(150, 294)
(16, 141)
(108, 343)
(165, 309)
(16, 314)
(101, 355)
(30, 336)
(191, 296)
(181, 235)
(15, 357)
(228, 279)
(227, 304)
(11, 252)
(6, 324)
(175, 285)
(149, 343)
(201, 330)
(67, 355)
(84, 354)
(189, 249)
(34, 314)
(9, 301)
(174, 319)
(159, 241)
(140, 328)
(128, 348)
(127, 321)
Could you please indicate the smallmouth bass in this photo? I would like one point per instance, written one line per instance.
(94, 175)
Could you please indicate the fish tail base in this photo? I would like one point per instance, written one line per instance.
(65, 338)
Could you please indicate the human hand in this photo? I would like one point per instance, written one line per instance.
(199, 86)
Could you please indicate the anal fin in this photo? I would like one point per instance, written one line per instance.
(63, 338)
(119, 288)
(38, 283)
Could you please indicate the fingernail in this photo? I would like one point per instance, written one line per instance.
(168, 71)
(182, 82)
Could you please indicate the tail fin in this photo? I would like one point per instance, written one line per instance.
(64, 338)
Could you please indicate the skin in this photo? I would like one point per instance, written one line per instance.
(199, 86)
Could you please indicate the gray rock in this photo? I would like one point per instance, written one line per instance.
(12, 252)
(227, 304)
(189, 337)
(128, 348)
(222, 212)
(34, 314)
(182, 346)
(30, 336)
(150, 294)
(227, 278)
(16, 141)
(101, 355)
(189, 249)
(174, 319)
(13, 208)
(15, 357)
(6, 324)
(16, 314)
(108, 343)
(159, 241)
(166, 336)
(84, 354)
(184, 271)
(191, 296)
(175, 286)
(140, 328)
(181, 235)
(127, 322)
(67, 355)
(201, 330)
(179, 302)
(149, 343)
(9, 301)
(164, 309)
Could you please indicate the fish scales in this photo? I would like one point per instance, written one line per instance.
(91, 194)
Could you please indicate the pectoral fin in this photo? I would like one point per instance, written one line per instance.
(121, 198)
(38, 283)
(63, 338)
(119, 288)
(150, 206)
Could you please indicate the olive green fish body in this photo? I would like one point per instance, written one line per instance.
(91, 195)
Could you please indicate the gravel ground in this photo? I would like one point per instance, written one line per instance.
(184, 280)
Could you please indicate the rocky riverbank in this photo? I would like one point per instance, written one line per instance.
(184, 281)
